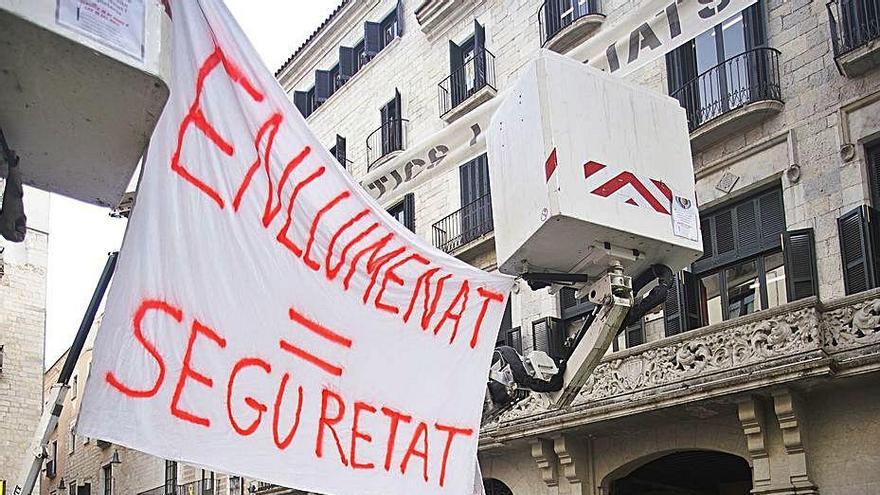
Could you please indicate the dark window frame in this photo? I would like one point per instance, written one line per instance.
(107, 476)
(760, 269)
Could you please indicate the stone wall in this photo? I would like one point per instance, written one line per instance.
(22, 328)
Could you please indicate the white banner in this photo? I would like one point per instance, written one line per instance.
(118, 24)
(267, 317)
(653, 30)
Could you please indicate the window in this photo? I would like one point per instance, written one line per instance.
(750, 263)
(170, 477)
(360, 57)
(52, 462)
(404, 212)
(392, 125)
(108, 479)
(71, 488)
(719, 87)
(389, 29)
(71, 439)
(468, 66)
(207, 482)
(744, 287)
(74, 386)
(236, 485)
(476, 200)
(338, 151)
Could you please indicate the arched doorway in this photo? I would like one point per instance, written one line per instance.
(495, 487)
(693, 472)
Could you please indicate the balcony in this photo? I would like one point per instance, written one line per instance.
(803, 341)
(386, 142)
(159, 490)
(855, 35)
(469, 86)
(197, 487)
(733, 95)
(564, 24)
(464, 228)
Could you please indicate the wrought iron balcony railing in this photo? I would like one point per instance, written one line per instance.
(475, 74)
(749, 77)
(465, 225)
(389, 137)
(556, 15)
(160, 490)
(854, 23)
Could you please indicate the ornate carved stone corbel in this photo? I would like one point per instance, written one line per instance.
(545, 457)
(573, 461)
(751, 416)
(786, 406)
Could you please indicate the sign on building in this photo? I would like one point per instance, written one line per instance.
(118, 24)
(268, 318)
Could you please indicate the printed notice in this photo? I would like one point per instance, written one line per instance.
(118, 24)
(685, 219)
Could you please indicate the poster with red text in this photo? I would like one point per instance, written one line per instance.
(268, 318)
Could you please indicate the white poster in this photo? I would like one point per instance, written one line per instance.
(118, 24)
(267, 317)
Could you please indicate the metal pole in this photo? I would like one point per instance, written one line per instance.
(31, 468)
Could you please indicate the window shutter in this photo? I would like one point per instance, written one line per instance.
(399, 18)
(747, 234)
(456, 74)
(692, 301)
(514, 339)
(301, 100)
(724, 236)
(856, 251)
(772, 214)
(547, 336)
(372, 39)
(635, 334)
(872, 154)
(683, 308)
(672, 309)
(340, 151)
(799, 251)
(479, 55)
(706, 229)
(397, 109)
(347, 63)
(323, 86)
(409, 211)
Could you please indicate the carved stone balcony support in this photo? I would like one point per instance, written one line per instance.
(766, 350)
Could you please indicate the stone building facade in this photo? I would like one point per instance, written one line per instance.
(78, 465)
(22, 335)
(759, 374)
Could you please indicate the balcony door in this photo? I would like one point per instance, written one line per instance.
(717, 66)
(467, 65)
(476, 204)
(392, 126)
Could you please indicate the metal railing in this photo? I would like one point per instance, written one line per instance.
(854, 23)
(556, 15)
(159, 490)
(389, 137)
(475, 74)
(465, 225)
(746, 78)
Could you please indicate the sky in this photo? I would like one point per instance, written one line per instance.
(81, 235)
